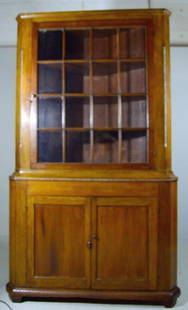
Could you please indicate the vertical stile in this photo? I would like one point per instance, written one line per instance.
(147, 96)
(91, 95)
(35, 76)
(63, 98)
(129, 142)
(119, 97)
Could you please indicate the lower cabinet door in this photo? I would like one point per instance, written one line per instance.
(124, 252)
(58, 252)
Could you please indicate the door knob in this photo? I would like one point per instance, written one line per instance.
(89, 244)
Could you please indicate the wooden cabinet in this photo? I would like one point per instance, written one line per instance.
(93, 197)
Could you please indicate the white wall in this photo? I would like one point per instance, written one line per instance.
(9, 9)
(179, 91)
(7, 129)
(179, 60)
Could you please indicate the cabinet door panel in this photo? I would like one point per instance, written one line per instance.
(125, 255)
(58, 233)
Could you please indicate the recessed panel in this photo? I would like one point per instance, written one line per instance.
(59, 241)
(118, 260)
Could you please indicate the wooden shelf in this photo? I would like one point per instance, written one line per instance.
(133, 94)
(93, 60)
(94, 129)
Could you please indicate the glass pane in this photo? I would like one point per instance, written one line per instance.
(77, 78)
(77, 146)
(49, 113)
(104, 77)
(77, 112)
(76, 42)
(49, 146)
(105, 147)
(134, 146)
(134, 112)
(50, 78)
(105, 112)
(132, 43)
(50, 45)
(104, 43)
(133, 77)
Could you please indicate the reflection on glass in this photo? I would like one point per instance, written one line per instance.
(50, 45)
(133, 77)
(77, 146)
(77, 78)
(77, 112)
(134, 147)
(132, 43)
(77, 45)
(104, 77)
(104, 43)
(105, 147)
(134, 112)
(49, 113)
(105, 112)
(49, 146)
(49, 78)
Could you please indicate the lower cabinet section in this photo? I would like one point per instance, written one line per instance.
(115, 242)
(107, 243)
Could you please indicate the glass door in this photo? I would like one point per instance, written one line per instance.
(92, 103)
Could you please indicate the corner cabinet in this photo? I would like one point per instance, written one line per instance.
(93, 197)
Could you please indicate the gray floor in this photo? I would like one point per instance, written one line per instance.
(182, 280)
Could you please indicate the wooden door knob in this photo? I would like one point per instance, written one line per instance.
(89, 244)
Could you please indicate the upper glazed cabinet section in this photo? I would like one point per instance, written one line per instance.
(93, 97)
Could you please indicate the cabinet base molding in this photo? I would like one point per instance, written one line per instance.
(166, 298)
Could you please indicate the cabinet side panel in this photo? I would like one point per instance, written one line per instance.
(167, 236)
(18, 233)
(173, 228)
(12, 231)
